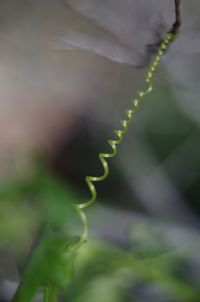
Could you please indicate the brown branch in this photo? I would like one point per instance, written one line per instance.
(176, 26)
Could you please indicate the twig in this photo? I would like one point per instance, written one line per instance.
(177, 23)
(175, 27)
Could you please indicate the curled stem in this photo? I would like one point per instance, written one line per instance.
(120, 134)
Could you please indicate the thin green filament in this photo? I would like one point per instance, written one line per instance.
(135, 102)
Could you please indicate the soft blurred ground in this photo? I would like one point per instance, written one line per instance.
(67, 72)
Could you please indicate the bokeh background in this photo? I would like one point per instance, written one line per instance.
(68, 69)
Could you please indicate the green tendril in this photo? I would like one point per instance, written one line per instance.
(90, 180)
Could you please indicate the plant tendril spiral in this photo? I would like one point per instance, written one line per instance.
(90, 180)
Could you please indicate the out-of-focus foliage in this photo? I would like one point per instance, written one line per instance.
(104, 272)
(107, 273)
(27, 204)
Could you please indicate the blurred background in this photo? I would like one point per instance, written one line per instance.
(68, 69)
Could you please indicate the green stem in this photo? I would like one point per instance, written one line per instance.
(50, 294)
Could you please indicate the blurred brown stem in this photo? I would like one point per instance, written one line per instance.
(177, 23)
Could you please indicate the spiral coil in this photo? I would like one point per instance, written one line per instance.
(90, 180)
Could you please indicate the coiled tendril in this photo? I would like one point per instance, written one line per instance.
(90, 180)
